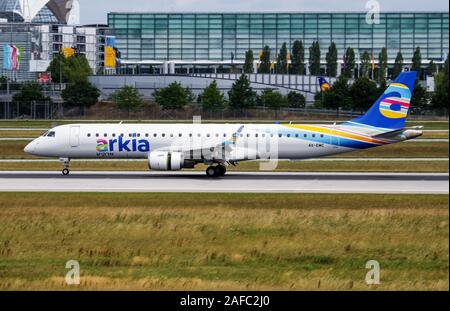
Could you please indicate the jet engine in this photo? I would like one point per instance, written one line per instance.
(167, 161)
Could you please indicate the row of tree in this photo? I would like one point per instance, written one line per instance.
(240, 97)
(294, 62)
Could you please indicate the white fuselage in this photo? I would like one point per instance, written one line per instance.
(134, 141)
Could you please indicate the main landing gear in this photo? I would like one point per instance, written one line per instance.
(216, 171)
(66, 170)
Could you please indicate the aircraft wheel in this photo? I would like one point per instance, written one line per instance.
(211, 171)
(221, 170)
(65, 172)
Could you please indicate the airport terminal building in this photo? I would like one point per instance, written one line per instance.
(188, 39)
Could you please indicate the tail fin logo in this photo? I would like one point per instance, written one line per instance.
(324, 85)
(397, 101)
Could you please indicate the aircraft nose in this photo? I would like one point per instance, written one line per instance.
(30, 147)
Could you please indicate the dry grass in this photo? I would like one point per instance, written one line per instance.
(223, 241)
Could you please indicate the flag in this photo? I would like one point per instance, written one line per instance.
(12, 56)
(68, 52)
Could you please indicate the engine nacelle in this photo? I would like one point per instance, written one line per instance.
(166, 161)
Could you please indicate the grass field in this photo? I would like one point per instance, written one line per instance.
(223, 241)
(307, 166)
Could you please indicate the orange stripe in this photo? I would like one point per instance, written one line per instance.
(337, 133)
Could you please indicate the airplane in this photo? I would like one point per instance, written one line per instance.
(173, 147)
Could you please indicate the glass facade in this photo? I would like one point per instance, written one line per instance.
(215, 36)
(9, 9)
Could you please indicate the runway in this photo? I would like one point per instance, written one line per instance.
(235, 182)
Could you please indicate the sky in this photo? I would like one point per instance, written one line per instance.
(95, 11)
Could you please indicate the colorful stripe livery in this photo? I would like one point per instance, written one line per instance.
(396, 107)
(337, 136)
(391, 109)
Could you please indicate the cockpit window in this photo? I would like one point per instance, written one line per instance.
(51, 134)
(45, 134)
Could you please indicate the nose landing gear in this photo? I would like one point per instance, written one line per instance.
(66, 170)
(216, 171)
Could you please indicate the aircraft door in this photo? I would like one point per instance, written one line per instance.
(74, 136)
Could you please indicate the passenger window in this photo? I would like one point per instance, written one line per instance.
(155, 135)
(163, 135)
(314, 135)
(114, 135)
(322, 135)
(122, 135)
(225, 135)
(105, 135)
(208, 135)
(288, 135)
(296, 135)
(97, 135)
(256, 135)
(171, 135)
(180, 135)
(88, 135)
(190, 135)
(280, 135)
(305, 135)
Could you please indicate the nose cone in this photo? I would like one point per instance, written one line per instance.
(30, 147)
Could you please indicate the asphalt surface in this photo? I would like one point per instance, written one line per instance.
(259, 182)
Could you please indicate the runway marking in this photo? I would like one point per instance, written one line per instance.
(235, 182)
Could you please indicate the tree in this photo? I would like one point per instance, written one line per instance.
(77, 68)
(440, 100)
(212, 98)
(81, 94)
(417, 62)
(272, 99)
(57, 69)
(420, 99)
(382, 66)
(282, 60)
(249, 59)
(296, 100)
(338, 96)
(314, 59)
(365, 65)
(398, 66)
(30, 92)
(264, 67)
(174, 96)
(3, 83)
(241, 95)
(364, 92)
(431, 70)
(69, 70)
(349, 63)
(298, 58)
(127, 98)
(331, 58)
